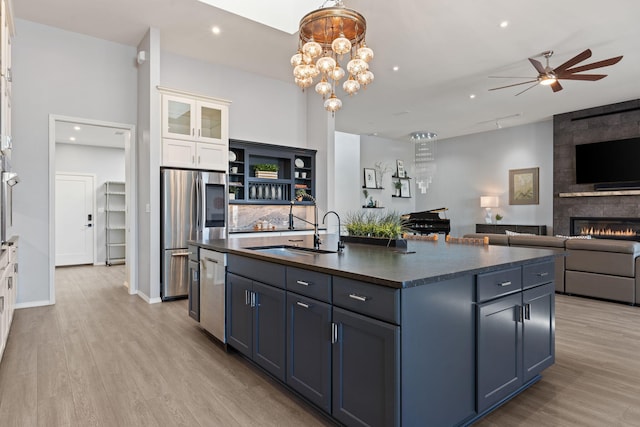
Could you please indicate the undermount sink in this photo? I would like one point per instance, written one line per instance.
(289, 250)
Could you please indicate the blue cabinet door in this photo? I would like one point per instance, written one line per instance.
(239, 314)
(499, 349)
(309, 349)
(269, 329)
(366, 371)
(538, 330)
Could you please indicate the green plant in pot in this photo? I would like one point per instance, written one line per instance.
(498, 218)
(268, 167)
(387, 226)
(398, 186)
(300, 194)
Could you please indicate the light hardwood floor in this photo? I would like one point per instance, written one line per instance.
(103, 357)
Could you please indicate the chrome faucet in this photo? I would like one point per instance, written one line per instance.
(316, 236)
(340, 242)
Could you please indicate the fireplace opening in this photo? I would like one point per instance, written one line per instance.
(606, 228)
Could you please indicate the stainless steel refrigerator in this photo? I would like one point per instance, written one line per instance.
(194, 207)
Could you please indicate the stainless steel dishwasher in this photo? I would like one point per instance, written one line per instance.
(212, 292)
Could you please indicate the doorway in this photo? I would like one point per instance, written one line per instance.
(77, 145)
(75, 214)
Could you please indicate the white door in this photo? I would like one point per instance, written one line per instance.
(74, 219)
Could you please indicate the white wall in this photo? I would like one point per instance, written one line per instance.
(107, 164)
(64, 73)
(346, 191)
(476, 165)
(262, 109)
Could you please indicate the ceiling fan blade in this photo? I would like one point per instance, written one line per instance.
(588, 77)
(573, 61)
(556, 86)
(599, 64)
(538, 66)
(515, 84)
(530, 87)
(511, 77)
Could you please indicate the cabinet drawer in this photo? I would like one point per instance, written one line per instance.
(372, 300)
(262, 271)
(498, 283)
(537, 274)
(309, 283)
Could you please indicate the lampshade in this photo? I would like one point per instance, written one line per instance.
(489, 202)
(326, 36)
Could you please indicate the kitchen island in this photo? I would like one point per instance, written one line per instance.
(438, 334)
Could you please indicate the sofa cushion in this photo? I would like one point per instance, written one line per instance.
(605, 245)
(614, 257)
(600, 286)
(530, 241)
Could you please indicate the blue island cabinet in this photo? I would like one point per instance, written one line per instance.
(373, 355)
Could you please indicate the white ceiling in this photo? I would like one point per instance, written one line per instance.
(445, 51)
(92, 135)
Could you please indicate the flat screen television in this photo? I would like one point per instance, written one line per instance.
(609, 162)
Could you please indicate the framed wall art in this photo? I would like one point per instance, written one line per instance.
(370, 178)
(400, 171)
(524, 186)
(405, 188)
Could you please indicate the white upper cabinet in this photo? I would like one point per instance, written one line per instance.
(195, 131)
(195, 120)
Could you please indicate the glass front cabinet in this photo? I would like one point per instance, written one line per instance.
(195, 132)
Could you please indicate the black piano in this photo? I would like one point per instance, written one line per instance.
(427, 222)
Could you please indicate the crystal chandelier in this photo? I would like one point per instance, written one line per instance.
(326, 36)
(425, 158)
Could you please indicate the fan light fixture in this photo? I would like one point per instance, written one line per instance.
(326, 35)
(548, 79)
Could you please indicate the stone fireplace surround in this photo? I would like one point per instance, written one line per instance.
(606, 123)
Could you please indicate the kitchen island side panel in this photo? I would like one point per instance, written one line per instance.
(438, 353)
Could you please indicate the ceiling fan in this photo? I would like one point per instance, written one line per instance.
(548, 76)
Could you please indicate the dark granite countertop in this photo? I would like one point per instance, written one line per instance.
(423, 262)
(270, 230)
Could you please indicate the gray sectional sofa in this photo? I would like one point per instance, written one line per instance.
(600, 268)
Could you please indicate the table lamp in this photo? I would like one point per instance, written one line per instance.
(488, 202)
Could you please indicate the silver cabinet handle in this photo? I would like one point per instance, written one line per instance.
(211, 260)
(300, 282)
(358, 297)
(10, 282)
(181, 254)
(246, 297)
(2, 306)
(253, 299)
(543, 274)
(301, 304)
(198, 133)
(503, 284)
(520, 313)
(334, 333)
(527, 311)
(198, 159)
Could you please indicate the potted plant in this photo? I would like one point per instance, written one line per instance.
(398, 186)
(498, 218)
(266, 170)
(300, 194)
(371, 228)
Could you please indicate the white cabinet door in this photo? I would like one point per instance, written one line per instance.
(178, 153)
(211, 124)
(178, 117)
(212, 156)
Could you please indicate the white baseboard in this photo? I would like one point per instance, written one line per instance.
(32, 304)
(149, 300)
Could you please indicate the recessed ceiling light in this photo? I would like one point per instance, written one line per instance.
(73, 138)
(504, 24)
(76, 128)
(472, 96)
(395, 68)
(215, 30)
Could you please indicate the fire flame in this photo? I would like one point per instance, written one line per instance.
(607, 232)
